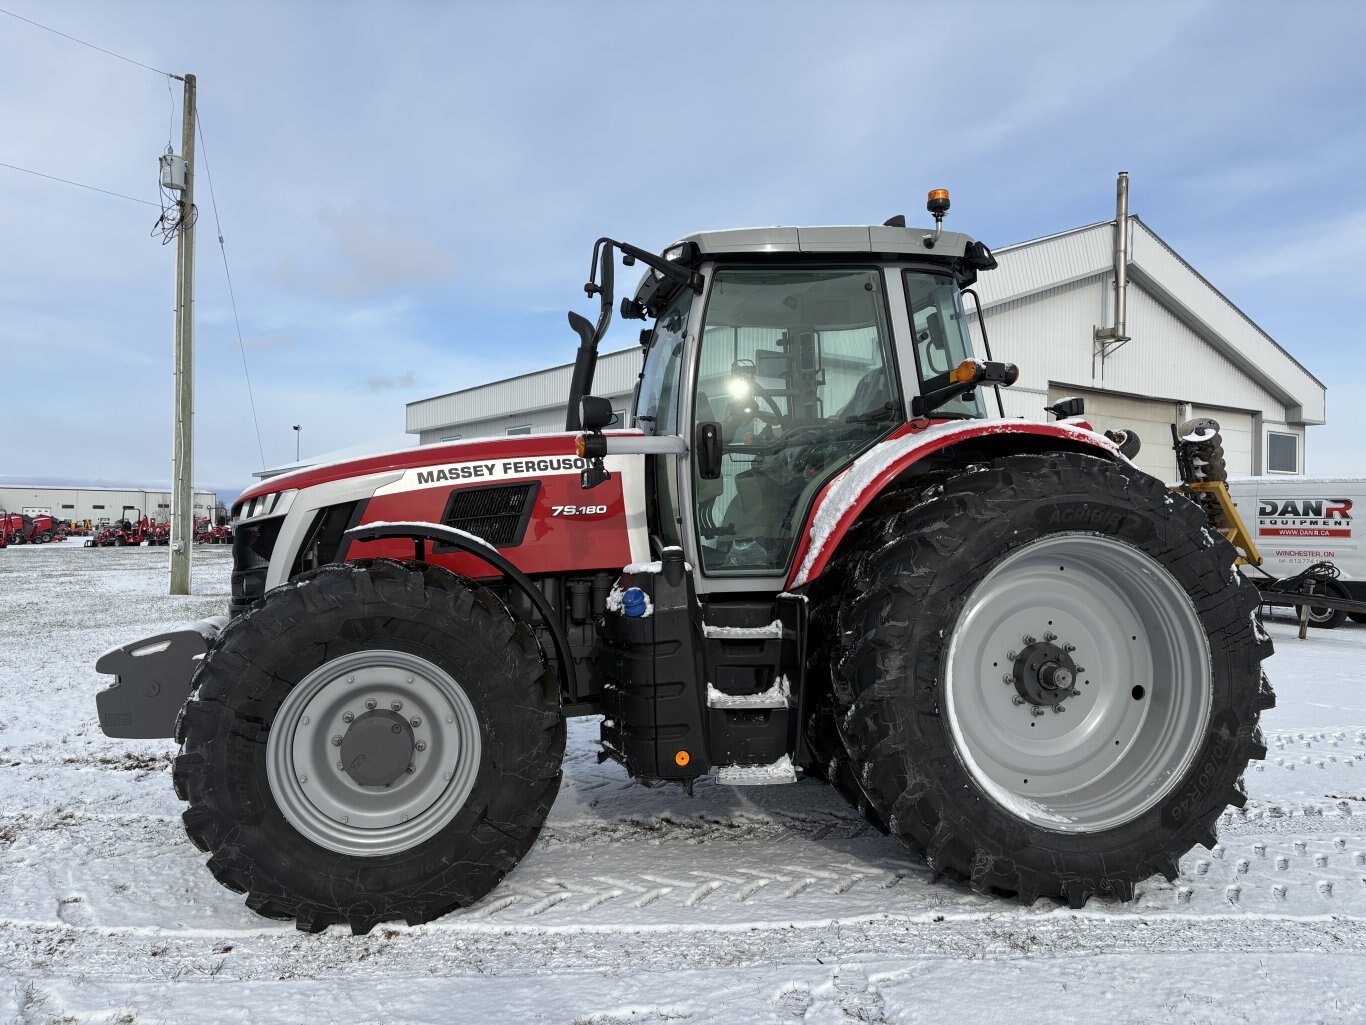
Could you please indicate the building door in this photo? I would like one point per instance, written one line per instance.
(1151, 419)
(1238, 430)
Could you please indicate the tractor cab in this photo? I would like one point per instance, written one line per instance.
(777, 357)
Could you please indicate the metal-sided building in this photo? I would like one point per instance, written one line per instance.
(1184, 350)
(98, 505)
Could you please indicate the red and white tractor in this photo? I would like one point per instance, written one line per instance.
(812, 553)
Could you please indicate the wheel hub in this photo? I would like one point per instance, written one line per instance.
(373, 752)
(378, 749)
(1044, 674)
(1135, 712)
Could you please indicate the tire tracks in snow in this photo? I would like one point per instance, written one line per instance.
(465, 947)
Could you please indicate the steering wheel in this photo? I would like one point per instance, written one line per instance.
(759, 391)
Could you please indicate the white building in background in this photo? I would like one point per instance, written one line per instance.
(98, 505)
(1191, 353)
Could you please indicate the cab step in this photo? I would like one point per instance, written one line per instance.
(780, 771)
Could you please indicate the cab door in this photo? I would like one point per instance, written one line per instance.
(795, 373)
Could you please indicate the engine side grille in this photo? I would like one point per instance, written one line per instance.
(498, 514)
(252, 545)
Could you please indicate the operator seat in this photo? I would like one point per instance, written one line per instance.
(871, 396)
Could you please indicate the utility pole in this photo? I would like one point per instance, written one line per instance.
(182, 456)
(298, 428)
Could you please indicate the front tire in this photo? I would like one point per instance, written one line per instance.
(1036, 583)
(372, 741)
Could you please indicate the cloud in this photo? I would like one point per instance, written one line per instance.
(367, 251)
(405, 380)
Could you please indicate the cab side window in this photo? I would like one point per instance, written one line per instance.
(657, 411)
(657, 405)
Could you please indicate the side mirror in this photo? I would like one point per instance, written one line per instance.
(595, 413)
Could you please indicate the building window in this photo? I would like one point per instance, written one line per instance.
(523, 429)
(68, 507)
(454, 437)
(1282, 453)
(97, 507)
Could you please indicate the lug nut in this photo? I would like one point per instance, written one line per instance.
(1076, 693)
(396, 705)
(421, 745)
(1007, 679)
(350, 679)
(1050, 636)
(341, 766)
(345, 819)
(411, 769)
(336, 741)
(304, 721)
(1036, 711)
(415, 721)
(1057, 707)
(1069, 647)
(1081, 669)
(303, 779)
(1011, 656)
(348, 716)
(450, 718)
(1017, 700)
(1028, 638)
(408, 679)
(370, 703)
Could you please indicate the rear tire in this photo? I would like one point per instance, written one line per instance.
(449, 757)
(980, 775)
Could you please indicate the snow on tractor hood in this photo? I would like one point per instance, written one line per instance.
(845, 497)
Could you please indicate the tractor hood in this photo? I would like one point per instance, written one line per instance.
(504, 457)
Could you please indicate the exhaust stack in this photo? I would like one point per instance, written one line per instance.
(1111, 338)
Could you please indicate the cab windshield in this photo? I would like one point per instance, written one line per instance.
(795, 367)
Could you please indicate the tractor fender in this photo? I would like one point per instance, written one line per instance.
(843, 499)
(474, 545)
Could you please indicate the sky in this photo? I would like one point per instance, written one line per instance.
(408, 191)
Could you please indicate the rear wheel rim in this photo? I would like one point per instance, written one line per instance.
(321, 799)
(1133, 716)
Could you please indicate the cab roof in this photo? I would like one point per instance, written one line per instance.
(858, 238)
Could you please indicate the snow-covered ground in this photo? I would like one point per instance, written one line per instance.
(759, 904)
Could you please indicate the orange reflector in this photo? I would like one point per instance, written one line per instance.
(579, 443)
(968, 370)
(939, 194)
(682, 758)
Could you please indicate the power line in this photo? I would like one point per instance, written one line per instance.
(92, 46)
(65, 181)
(223, 249)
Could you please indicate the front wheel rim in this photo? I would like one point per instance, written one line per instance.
(317, 793)
(1090, 738)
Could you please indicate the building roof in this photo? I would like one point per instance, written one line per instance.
(83, 487)
(1081, 253)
